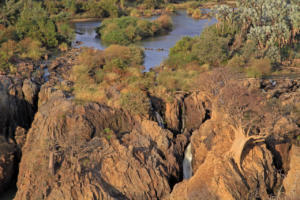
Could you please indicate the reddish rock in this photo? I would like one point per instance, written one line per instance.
(292, 181)
(91, 151)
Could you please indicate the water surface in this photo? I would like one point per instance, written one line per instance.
(183, 26)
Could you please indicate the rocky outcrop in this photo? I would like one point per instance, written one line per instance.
(90, 151)
(292, 181)
(236, 161)
(17, 108)
(186, 112)
(197, 109)
(17, 104)
(172, 114)
(218, 176)
(7, 162)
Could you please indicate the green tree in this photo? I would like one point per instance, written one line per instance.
(271, 24)
(34, 22)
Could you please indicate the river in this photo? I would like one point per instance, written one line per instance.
(183, 26)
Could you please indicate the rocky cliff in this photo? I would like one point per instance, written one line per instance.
(17, 107)
(91, 151)
(243, 136)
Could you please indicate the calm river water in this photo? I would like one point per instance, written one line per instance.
(183, 26)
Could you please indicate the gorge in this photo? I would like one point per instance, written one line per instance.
(204, 111)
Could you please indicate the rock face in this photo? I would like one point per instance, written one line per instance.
(187, 112)
(217, 175)
(292, 181)
(230, 164)
(90, 151)
(7, 163)
(17, 107)
(77, 150)
(17, 104)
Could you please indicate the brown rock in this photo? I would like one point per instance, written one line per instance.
(17, 108)
(7, 163)
(173, 115)
(20, 136)
(292, 181)
(30, 91)
(194, 112)
(218, 176)
(98, 153)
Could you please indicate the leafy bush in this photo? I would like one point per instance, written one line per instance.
(197, 14)
(126, 30)
(29, 48)
(208, 48)
(259, 67)
(110, 77)
(182, 53)
(170, 8)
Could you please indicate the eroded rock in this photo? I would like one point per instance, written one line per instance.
(90, 151)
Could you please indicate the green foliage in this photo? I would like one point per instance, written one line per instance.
(29, 48)
(32, 27)
(209, 48)
(113, 77)
(34, 22)
(126, 30)
(272, 25)
(182, 53)
(259, 67)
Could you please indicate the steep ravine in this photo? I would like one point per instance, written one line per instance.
(18, 105)
(76, 150)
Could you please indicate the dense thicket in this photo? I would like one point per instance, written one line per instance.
(28, 30)
(255, 37)
(126, 30)
(113, 77)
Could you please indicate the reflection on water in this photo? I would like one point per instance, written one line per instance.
(183, 26)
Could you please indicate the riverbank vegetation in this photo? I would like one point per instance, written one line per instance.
(117, 8)
(27, 31)
(245, 39)
(126, 30)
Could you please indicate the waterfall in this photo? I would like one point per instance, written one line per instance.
(159, 119)
(46, 74)
(187, 163)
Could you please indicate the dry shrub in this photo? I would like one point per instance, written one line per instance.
(117, 51)
(63, 46)
(259, 67)
(237, 63)
(165, 22)
(113, 83)
(190, 11)
(91, 57)
(31, 49)
(197, 14)
(91, 93)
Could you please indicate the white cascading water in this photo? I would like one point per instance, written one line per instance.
(159, 120)
(187, 163)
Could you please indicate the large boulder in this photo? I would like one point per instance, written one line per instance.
(218, 176)
(89, 151)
